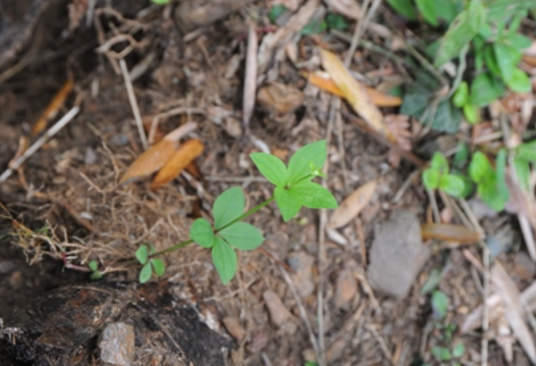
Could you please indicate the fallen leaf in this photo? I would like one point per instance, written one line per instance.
(53, 108)
(348, 8)
(352, 205)
(280, 98)
(324, 82)
(279, 314)
(449, 232)
(184, 155)
(355, 93)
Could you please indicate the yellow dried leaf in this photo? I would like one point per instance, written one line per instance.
(150, 161)
(184, 155)
(352, 205)
(354, 93)
(449, 232)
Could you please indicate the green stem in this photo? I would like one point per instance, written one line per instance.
(239, 218)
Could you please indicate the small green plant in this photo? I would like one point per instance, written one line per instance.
(294, 188)
(160, 2)
(94, 267)
(491, 184)
(438, 176)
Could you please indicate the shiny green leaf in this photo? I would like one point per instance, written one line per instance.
(225, 261)
(228, 206)
(242, 235)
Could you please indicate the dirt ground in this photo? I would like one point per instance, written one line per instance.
(73, 210)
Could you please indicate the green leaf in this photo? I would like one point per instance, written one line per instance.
(201, 232)
(299, 166)
(485, 88)
(142, 254)
(518, 41)
(461, 31)
(336, 21)
(519, 82)
(404, 7)
(462, 155)
(527, 151)
(96, 275)
(158, 266)
(271, 167)
(276, 11)
(288, 204)
(458, 350)
(480, 168)
(471, 113)
(446, 9)
(313, 195)
(439, 163)
(160, 2)
(145, 273)
(228, 207)
(225, 261)
(93, 265)
(500, 10)
(428, 10)
(507, 59)
(315, 27)
(441, 353)
(461, 96)
(453, 185)
(440, 304)
(491, 60)
(522, 168)
(446, 119)
(242, 235)
(433, 280)
(430, 179)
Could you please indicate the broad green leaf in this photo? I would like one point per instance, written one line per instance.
(461, 31)
(404, 7)
(519, 82)
(439, 163)
(145, 273)
(491, 60)
(462, 155)
(489, 193)
(428, 10)
(271, 167)
(242, 235)
(276, 11)
(446, 9)
(418, 94)
(93, 265)
(507, 59)
(458, 350)
(430, 179)
(461, 96)
(225, 261)
(313, 195)
(288, 205)
(523, 172)
(228, 206)
(201, 232)
(441, 353)
(452, 185)
(158, 266)
(485, 88)
(527, 151)
(518, 41)
(142, 254)
(471, 113)
(299, 166)
(440, 304)
(336, 21)
(504, 9)
(480, 168)
(446, 119)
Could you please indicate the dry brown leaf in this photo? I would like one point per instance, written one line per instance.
(352, 205)
(53, 108)
(355, 93)
(150, 161)
(184, 155)
(348, 8)
(280, 98)
(513, 309)
(449, 232)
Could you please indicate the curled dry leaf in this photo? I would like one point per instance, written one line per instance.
(355, 93)
(280, 98)
(53, 108)
(184, 155)
(324, 82)
(398, 125)
(449, 232)
(352, 205)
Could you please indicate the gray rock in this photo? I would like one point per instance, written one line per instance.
(397, 254)
(117, 345)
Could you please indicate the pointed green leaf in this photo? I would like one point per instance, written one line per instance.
(519, 82)
(224, 258)
(242, 235)
(441, 353)
(300, 164)
(440, 304)
(480, 168)
(201, 232)
(439, 163)
(93, 265)
(461, 96)
(271, 167)
(288, 204)
(158, 266)
(313, 195)
(453, 185)
(430, 179)
(485, 88)
(527, 151)
(428, 10)
(228, 206)
(142, 254)
(507, 59)
(404, 7)
(145, 273)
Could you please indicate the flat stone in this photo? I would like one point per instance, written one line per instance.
(117, 345)
(397, 254)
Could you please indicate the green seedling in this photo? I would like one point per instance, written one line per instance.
(491, 184)
(276, 11)
(437, 176)
(294, 188)
(94, 267)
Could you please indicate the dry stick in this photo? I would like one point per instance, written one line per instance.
(250, 82)
(40, 142)
(133, 103)
(485, 310)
